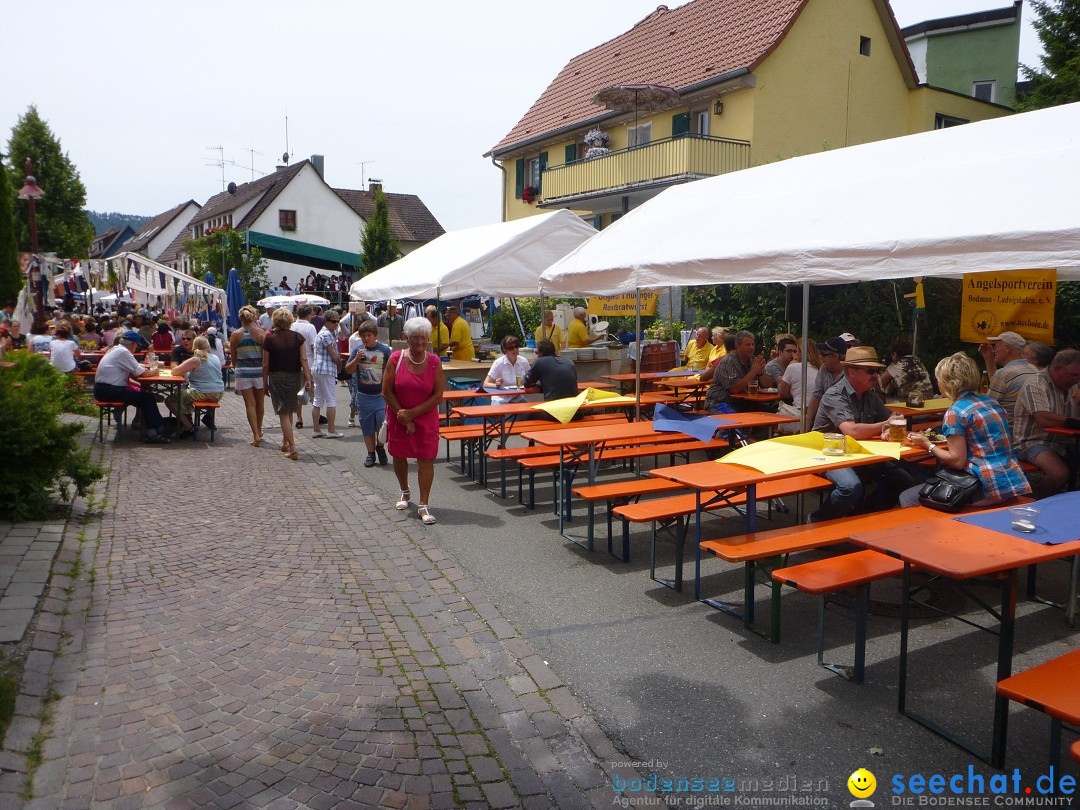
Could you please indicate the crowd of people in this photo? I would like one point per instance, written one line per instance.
(997, 419)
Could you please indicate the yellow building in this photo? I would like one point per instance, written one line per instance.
(755, 82)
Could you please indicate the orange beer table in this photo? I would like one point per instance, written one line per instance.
(583, 443)
(960, 551)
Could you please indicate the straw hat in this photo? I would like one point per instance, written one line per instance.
(864, 356)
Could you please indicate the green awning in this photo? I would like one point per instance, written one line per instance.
(282, 246)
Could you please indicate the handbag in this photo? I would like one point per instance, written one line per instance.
(380, 436)
(949, 490)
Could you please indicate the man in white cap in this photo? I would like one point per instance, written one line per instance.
(1007, 368)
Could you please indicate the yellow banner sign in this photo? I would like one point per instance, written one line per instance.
(1019, 301)
(607, 305)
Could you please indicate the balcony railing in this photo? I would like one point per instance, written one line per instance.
(671, 160)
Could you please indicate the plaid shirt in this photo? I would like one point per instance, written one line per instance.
(985, 426)
(726, 373)
(324, 363)
(1040, 394)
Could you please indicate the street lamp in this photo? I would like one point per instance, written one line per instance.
(32, 192)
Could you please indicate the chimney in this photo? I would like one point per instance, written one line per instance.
(317, 161)
(374, 185)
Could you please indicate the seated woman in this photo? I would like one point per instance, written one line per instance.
(977, 433)
(508, 371)
(64, 350)
(203, 371)
(162, 339)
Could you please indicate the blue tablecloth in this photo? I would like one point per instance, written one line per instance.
(701, 427)
(1058, 520)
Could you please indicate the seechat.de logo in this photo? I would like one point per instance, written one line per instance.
(862, 785)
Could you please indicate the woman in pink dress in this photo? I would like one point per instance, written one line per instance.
(413, 387)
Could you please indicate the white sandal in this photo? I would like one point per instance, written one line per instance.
(425, 514)
(402, 501)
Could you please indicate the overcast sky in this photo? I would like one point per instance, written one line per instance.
(416, 90)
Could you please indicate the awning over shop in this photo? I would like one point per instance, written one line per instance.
(305, 253)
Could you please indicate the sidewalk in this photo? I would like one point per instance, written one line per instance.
(238, 630)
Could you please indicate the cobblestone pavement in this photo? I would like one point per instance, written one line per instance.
(237, 630)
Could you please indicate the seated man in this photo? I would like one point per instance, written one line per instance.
(906, 375)
(854, 408)
(786, 349)
(830, 372)
(697, 351)
(1007, 368)
(556, 376)
(111, 385)
(735, 371)
(1048, 399)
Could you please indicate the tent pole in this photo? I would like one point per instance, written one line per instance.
(806, 340)
(637, 363)
(557, 348)
(915, 332)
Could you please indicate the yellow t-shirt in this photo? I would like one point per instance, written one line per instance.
(717, 352)
(442, 339)
(577, 334)
(554, 334)
(460, 334)
(697, 356)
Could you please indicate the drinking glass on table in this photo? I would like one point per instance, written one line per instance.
(752, 388)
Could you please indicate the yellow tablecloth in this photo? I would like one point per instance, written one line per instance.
(564, 409)
(786, 453)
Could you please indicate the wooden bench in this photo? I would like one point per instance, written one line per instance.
(763, 552)
(617, 493)
(655, 446)
(827, 576)
(203, 412)
(106, 412)
(678, 508)
(1051, 688)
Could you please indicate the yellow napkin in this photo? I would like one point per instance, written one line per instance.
(564, 409)
(785, 453)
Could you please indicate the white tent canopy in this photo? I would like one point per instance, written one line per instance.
(502, 259)
(994, 195)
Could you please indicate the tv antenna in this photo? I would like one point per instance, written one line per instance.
(285, 157)
(252, 153)
(220, 162)
(362, 164)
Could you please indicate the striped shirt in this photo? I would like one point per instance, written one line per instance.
(983, 424)
(1008, 381)
(1040, 394)
(248, 358)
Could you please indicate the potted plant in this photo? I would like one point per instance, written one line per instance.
(529, 194)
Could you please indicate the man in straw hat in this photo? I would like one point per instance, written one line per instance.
(853, 407)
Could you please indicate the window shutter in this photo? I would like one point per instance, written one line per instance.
(519, 179)
(680, 124)
(598, 222)
(571, 153)
(540, 174)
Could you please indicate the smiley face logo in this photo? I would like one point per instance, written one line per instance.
(861, 783)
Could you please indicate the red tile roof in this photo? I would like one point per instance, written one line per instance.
(680, 48)
(410, 219)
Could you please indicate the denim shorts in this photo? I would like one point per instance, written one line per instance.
(1030, 453)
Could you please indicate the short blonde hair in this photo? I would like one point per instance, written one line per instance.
(282, 319)
(248, 314)
(956, 374)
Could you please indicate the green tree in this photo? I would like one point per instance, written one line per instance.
(223, 248)
(11, 278)
(62, 224)
(1057, 22)
(378, 247)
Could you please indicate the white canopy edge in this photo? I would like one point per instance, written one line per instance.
(505, 258)
(988, 196)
